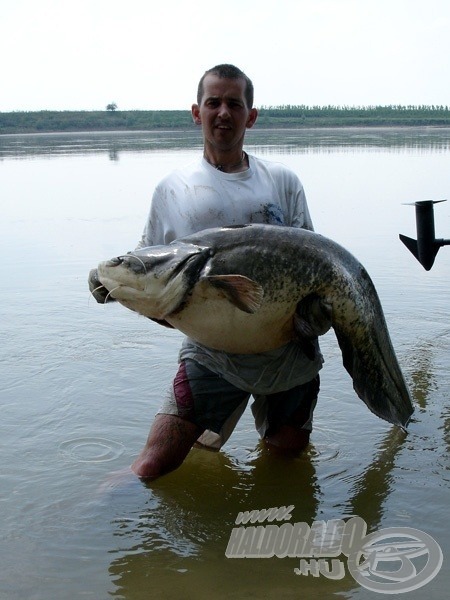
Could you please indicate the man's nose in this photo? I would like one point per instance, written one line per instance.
(224, 111)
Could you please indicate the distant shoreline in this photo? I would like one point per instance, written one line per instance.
(289, 117)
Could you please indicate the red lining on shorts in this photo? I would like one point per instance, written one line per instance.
(183, 394)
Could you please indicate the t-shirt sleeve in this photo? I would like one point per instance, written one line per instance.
(153, 233)
(301, 216)
(296, 204)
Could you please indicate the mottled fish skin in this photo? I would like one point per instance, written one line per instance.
(253, 288)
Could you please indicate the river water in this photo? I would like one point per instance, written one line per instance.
(80, 382)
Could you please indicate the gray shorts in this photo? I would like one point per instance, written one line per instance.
(211, 402)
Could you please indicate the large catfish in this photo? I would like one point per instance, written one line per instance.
(253, 288)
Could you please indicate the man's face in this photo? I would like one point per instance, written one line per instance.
(223, 113)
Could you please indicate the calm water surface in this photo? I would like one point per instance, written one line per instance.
(80, 383)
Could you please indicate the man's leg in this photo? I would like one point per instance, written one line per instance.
(199, 401)
(168, 444)
(288, 438)
(289, 417)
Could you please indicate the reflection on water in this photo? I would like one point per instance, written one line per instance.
(265, 140)
(81, 382)
(111, 143)
(423, 378)
(191, 516)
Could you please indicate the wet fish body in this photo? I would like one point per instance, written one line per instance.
(253, 288)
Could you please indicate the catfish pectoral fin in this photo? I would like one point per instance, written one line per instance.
(244, 293)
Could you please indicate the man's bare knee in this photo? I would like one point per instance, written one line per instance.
(169, 442)
(150, 466)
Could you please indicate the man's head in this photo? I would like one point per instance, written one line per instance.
(224, 111)
(227, 72)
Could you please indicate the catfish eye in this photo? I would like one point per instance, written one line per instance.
(114, 262)
(129, 261)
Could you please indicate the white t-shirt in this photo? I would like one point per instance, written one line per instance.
(199, 197)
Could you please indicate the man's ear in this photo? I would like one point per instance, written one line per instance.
(252, 118)
(195, 111)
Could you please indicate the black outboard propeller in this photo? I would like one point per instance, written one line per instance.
(427, 246)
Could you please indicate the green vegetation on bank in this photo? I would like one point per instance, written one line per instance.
(350, 116)
(269, 117)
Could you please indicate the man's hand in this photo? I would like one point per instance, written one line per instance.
(100, 293)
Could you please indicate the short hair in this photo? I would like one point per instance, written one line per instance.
(228, 72)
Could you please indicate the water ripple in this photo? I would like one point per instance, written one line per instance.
(90, 449)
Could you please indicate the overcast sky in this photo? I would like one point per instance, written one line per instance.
(146, 54)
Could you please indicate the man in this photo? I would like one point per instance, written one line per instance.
(212, 388)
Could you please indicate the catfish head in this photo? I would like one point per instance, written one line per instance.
(157, 280)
